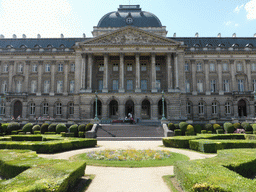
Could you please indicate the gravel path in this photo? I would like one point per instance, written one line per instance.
(111, 179)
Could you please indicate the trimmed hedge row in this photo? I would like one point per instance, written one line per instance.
(27, 172)
(26, 138)
(219, 173)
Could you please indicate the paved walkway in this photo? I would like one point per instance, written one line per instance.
(111, 179)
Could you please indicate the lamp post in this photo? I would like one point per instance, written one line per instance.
(163, 116)
(96, 107)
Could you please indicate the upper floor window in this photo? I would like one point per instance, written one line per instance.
(115, 67)
(71, 108)
(227, 108)
(4, 87)
(158, 67)
(225, 67)
(199, 66)
(214, 108)
(144, 85)
(186, 67)
(240, 85)
(32, 108)
(33, 86)
(115, 85)
(158, 84)
(18, 86)
(100, 85)
(72, 86)
(20, 68)
(254, 84)
(239, 67)
(200, 86)
(129, 85)
(226, 85)
(6, 68)
(143, 67)
(212, 67)
(213, 86)
(46, 86)
(72, 67)
(129, 67)
(60, 68)
(47, 67)
(101, 67)
(2, 106)
(187, 86)
(201, 108)
(45, 109)
(59, 86)
(34, 68)
(58, 109)
(253, 66)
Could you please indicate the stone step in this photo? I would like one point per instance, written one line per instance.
(129, 138)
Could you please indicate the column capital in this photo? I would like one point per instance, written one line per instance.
(219, 61)
(231, 61)
(247, 61)
(153, 54)
(206, 61)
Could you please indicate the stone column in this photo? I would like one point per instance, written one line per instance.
(52, 79)
(39, 79)
(194, 84)
(24, 110)
(78, 73)
(137, 58)
(121, 111)
(154, 112)
(105, 74)
(207, 82)
(232, 64)
(105, 113)
(180, 72)
(83, 69)
(153, 73)
(137, 111)
(176, 71)
(65, 91)
(169, 72)
(11, 72)
(26, 74)
(220, 83)
(249, 75)
(89, 74)
(121, 74)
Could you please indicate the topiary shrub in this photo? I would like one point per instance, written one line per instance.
(254, 127)
(220, 131)
(1, 130)
(81, 134)
(44, 128)
(177, 132)
(81, 127)
(89, 127)
(228, 127)
(27, 128)
(246, 126)
(198, 128)
(215, 127)
(171, 126)
(183, 127)
(37, 132)
(74, 129)
(237, 125)
(203, 131)
(209, 132)
(61, 127)
(190, 129)
(52, 127)
(177, 126)
(208, 127)
(12, 127)
(35, 128)
(4, 127)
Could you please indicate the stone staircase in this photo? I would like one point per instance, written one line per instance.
(145, 131)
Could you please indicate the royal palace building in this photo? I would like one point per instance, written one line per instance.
(129, 65)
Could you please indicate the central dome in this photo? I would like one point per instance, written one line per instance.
(129, 15)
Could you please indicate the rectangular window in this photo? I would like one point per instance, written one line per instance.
(226, 85)
(18, 86)
(254, 84)
(186, 67)
(4, 87)
(253, 66)
(200, 86)
(240, 85)
(60, 68)
(59, 86)
(129, 67)
(115, 67)
(34, 68)
(115, 85)
(214, 108)
(158, 68)
(212, 67)
(225, 67)
(100, 85)
(72, 67)
(6, 68)
(2, 112)
(47, 68)
(144, 85)
(213, 86)
(72, 86)
(20, 68)
(187, 86)
(101, 67)
(33, 86)
(143, 67)
(158, 85)
(32, 109)
(45, 109)
(239, 67)
(46, 86)
(129, 85)
(199, 66)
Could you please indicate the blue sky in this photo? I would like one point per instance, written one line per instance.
(50, 18)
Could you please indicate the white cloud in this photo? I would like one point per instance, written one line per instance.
(228, 23)
(250, 8)
(31, 17)
(236, 25)
(238, 8)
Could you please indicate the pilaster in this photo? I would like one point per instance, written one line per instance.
(153, 73)
(65, 91)
(220, 82)
(89, 74)
(121, 74)
(193, 64)
(105, 74)
(26, 74)
(137, 58)
(169, 72)
(39, 79)
(232, 64)
(78, 73)
(249, 75)
(52, 79)
(207, 82)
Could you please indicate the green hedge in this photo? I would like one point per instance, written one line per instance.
(63, 134)
(28, 172)
(218, 173)
(50, 133)
(27, 128)
(27, 138)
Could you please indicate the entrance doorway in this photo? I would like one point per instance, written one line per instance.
(129, 108)
(160, 109)
(17, 109)
(99, 108)
(145, 109)
(242, 108)
(113, 109)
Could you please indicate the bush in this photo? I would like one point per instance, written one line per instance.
(203, 131)
(89, 127)
(50, 133)
(81, 134)
(14, 133)
(74, 129)
(208, 127)
(27, 128)
(26, 138)
(36, 128)
(61, 127)
(228, 127)
(37, 132)
(198, 128)
(177, 132)
(177, 126)
(44, 128)
(63, 134)
(220, 131)
(246, 126)
(190, 129)
(171, 126)
(215, 127)
(4, 127)
(237, 125)
(254, 127)
(52, 127)
(12, 127)
(209, 132)
(81, 127)
(183, 127)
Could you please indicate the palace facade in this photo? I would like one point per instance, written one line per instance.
(127, 64)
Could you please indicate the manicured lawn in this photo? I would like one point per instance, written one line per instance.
(124, 160)
(168, 179)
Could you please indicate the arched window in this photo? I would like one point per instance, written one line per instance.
(49, 46)
(221, 45)
(37, 46)
(188, 108)
(214, 108)
(71, 108)
(201, 108)
(32, 108)
(2, 108)
(62, 46)
(23, 46)
(9, 46)
(249, 45)
(227, 107)
(45, 109)
(209, 45)
(235, 45)
(58, 109)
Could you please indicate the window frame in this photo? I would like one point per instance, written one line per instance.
(60, 67)
(32, 109)
(58, 108)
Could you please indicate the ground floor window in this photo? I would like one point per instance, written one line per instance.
(45, 109)
(58, 109)
(32, 108)
(71, 108)
(201, 108)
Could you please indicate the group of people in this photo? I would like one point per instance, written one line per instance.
(129, 118)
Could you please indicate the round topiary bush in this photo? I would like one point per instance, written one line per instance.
(183, 127)
(215, 127)
(246, 126)
(198, 128)
(44, 128)
(228, 127)
(74, 129)
(254, 127)
(89, 127)
(27, 128)
(208, 127)
(190, 129)
(4, 127)
(52, 127)
(176, 126)
(171, 126)
(237, 125)
(12, 127)
(81, 128)
(61, 127)
(35, 128)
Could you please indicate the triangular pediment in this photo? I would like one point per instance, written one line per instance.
(130, 36)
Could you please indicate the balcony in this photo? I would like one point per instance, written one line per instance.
(15, 94)
(242, 93)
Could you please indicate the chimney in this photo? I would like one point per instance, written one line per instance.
(84, 36)
(174, 34)
(24, 36)
(1, 36)
(38, 36)
(61, 35)
(219, 35)
(196, 35)
(254, 35)
(14, 36)
(234, 35)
